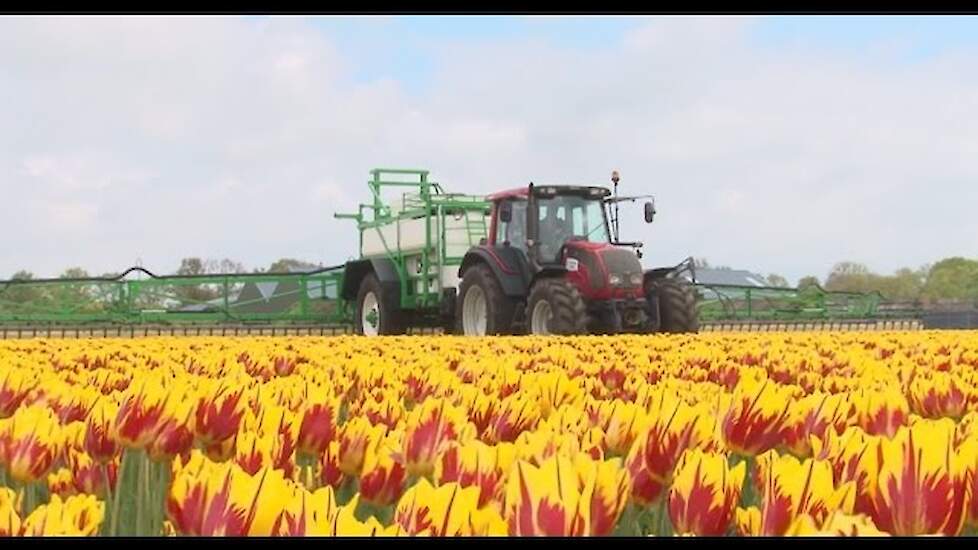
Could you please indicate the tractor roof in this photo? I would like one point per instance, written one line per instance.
(521, 192)
(516, 192)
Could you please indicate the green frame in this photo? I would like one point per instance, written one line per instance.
(719, 302)
(164, 299)
(427, 200)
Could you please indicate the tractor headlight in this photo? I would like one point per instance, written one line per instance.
(614, 279)
(571, 264)
(635, 279)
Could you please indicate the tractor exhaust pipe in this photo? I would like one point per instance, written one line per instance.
(614, 221)
(532, 229)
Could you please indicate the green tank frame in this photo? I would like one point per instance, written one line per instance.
(425, 200)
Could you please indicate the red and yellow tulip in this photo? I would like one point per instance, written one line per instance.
(75, 516)
(755, 418)
(790, 488)
(704, 494)
(921, 486)
(446, 510)
(29, 443)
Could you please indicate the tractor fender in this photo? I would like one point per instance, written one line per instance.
(356, 270)
(549, 272)
(686, 266)
(658, 273)
(506, 264)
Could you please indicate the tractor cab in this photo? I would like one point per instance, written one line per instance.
(567, 229)
(552, 264)
(543, 221)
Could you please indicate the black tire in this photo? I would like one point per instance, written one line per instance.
(676, 303)
(499, 308)
(568, 311)
(392, 319)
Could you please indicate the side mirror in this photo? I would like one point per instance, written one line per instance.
(649, 212)
(506, 212)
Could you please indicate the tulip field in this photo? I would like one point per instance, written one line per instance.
(765, 434)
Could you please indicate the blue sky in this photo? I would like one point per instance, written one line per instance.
(777, 144)
(403, 47)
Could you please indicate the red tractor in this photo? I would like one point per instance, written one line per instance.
(550, 266)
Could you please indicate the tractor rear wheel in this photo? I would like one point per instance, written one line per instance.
(377, 311)
(556, 307)
(677, 305)
(482, 308)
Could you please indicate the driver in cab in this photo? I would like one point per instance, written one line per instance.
(554, 232)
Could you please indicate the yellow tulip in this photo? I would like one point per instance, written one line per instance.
(75, 516)
(704, 493)
(447, 510)
(790, 488)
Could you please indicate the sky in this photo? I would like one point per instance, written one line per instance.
(775, 144)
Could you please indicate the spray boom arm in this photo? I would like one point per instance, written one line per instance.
(629, 199)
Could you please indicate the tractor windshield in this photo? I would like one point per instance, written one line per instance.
(569, 217)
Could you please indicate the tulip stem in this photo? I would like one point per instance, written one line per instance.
(630, 522)
(663, 521)
(141, 484)
(156, 471)
(27, 499)
(747, 496)
(163, 487)
(108, 493)
(116, 500)
(385, 515)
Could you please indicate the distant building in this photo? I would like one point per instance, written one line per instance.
(738, 277)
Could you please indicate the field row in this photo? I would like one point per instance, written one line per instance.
(855, 433)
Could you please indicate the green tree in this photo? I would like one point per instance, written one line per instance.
(807, 281)
(74, 273)
(194, 293)
(777, 280)
(952, 279)
(202, 292)
(903, 286)
(849, 277)
(21, 295)
(285, 265)
(77, 297)
(229, 266)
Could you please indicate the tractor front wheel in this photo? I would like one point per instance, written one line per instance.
(677, 305)
(377, 311)
(482, 308)
(556, 307)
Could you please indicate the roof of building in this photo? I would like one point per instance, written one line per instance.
(739, 277)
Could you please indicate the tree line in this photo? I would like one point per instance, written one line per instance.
(87, 297)
(190, 266)
(953, 280)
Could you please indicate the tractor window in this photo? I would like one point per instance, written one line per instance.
(595, 229)
(569, 217)
(515, 230)
(580, 227)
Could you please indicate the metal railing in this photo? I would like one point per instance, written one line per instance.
(270, 298)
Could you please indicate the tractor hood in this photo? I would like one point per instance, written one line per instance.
(607, 267)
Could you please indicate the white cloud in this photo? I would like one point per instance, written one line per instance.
(70, 215)
(237, 137)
